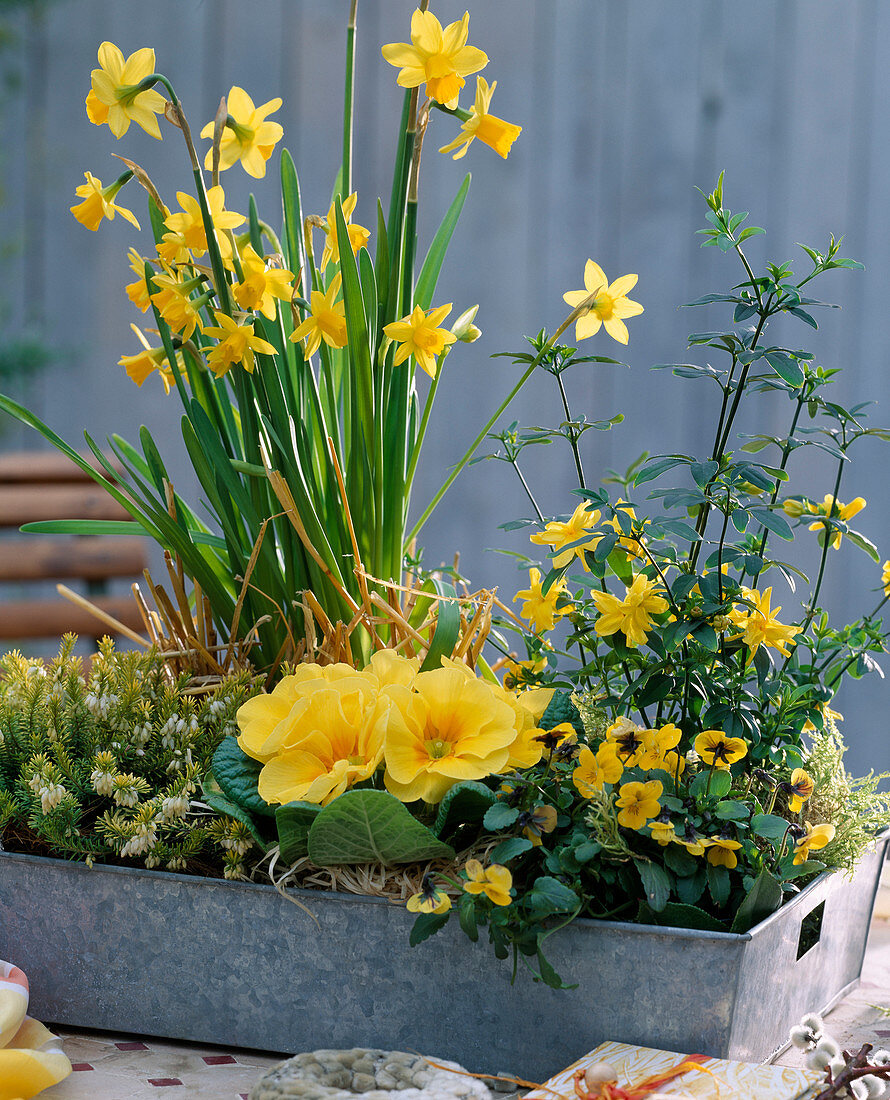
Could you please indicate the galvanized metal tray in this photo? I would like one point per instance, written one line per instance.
(163, 954)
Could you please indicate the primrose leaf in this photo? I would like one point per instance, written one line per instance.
(293, 821)
(465, 803)
(237, 775)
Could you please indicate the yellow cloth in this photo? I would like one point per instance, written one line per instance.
(31, 1058)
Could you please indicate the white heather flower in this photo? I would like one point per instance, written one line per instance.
(176, 863)
(152, 861)
(175, 806)
(36, 782)
(234, 870)
(102, 782)
(51, 796)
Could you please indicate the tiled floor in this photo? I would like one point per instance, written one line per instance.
(117, 1067)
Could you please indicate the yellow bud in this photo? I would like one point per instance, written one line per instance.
(463, 326)
(793, 508)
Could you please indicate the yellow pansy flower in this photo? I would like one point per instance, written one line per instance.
(559, 533)
(186, 227)
(358, 235)
(98, 203)
(694, 843)
(488, 128)
(815, 837)
(237, 344)
(494, 881)
(802, 787)
(662, 832)
(113, 97)
(430, 898)
(718, 750)
(541, 610)
(536, 822)
(638, 802)
(247, 136)
(440, 57)
(656, 743)
(261, 284)
(722, 852)
(833, 509)
(326, 320)
(605, 304)
(632, 615)
(589, 776)
(143, 364)
(419, 335)
(763, 628)
(446, 727)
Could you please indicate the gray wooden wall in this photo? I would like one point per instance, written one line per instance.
(627, 106)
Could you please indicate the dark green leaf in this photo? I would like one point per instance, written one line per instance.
(656, 882)
(499, 816)
(237, 774)
(548, 896)
(426, 925)
(509, 849)
(465, 803)
(718, 883)
(293, 821)
(764, 897)
(677, 915)
(770, 826)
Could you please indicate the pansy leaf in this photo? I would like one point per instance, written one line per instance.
(769, 826)
(367, 826)
(426, 925)
(764, 897)
(466, 913)
(548, 895)
(237, 774)
(499, 816)
(718, 883)
(691, 887)
(678, 915)
(511, 848)
(656, 882)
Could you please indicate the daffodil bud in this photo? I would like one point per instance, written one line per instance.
(464, 329)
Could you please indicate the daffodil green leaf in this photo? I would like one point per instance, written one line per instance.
(447, 625)
(764, 897)
(237, 774)
(678, 915)
(511, 848)
(432, 265)
(465, 804)
(466, 913)
(718, 883)
(367, 826)
(213, 796)
(499, 816)
(426, 925)
(293, 821)
(656, 882)
(547, 896)
(769, 826)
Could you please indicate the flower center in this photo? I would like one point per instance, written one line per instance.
(603, 306)
(437, 748)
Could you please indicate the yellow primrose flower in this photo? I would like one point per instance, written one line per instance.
(638, 802)
(536, 822)
(98, 203)
(358, 235)
(440, 57)
(446, 727)
(604, 304)
(541, 610)
(662, 832)
(430, 899)
(113, 97)
(815, 837)
(802, 787)
(237, 344)
(175, 304)
(632, 615)
(138, 292)
(495, 881)
(140, 366)
(763, 628)
(716, 749)
(261, 284)
(558, 534)
(326, 320)
(490, 129)
(419, 335)
(833, 509)
(722, 852)
(247, 135)
(187, 234)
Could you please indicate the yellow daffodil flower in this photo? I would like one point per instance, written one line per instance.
(262, 284)
(763, 628)
(187, 236)
(488, 128)
(833, 509)
(138, 292)
(247, 136)
(638, 803)
(326, 320)
(98, 203)
(440, 57)
(722, 852)
(237, 344)
(430, 899)
(419, 335)
(632, 615)
(604, 304)
(113, 97)
(802, 787)
(358, 235)
(815, 837)
(446, 727)
(175, 304)
(718, 750)
(494, 881)
(558, 534)
(539, 609)
(140, 366)
(662, 832)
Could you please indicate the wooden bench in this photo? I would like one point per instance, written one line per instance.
(38, 485)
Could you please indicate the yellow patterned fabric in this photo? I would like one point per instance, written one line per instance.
(31, 1058)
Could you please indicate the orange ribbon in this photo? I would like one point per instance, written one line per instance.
(643, 1088)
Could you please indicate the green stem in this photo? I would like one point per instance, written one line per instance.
(825, 548)
(424, 421)
(528, 491)
(573, 441)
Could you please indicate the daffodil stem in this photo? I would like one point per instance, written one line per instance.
(446, 485)
(348, 100)
(573, 440)
(424, 421)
